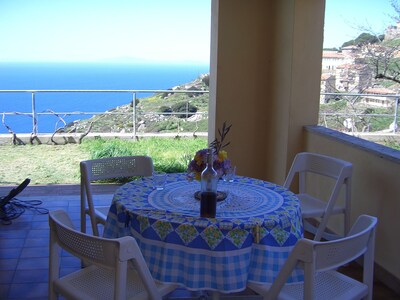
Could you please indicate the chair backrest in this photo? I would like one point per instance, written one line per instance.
(110, 253)
(116, 167)
(108, 168)
(307, 162)
(338, 170)
(323, 256)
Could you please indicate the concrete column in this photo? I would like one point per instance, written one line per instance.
(265, 79)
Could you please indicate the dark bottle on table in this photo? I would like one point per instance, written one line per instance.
(209, 181)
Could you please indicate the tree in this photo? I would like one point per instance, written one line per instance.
(364, 38)
(383, 56)
(384, 60)
(396, 7)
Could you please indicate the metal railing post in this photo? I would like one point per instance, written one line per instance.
(396, 105)
(34, 116)
(134, 114)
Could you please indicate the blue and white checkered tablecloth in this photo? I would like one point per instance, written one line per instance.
(255, 229)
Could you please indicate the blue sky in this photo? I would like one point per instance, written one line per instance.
(144, 30)
(343, 19)
(93, 30)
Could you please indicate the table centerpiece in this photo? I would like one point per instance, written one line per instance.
(221, 162)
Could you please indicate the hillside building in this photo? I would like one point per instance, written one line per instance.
(381, 99)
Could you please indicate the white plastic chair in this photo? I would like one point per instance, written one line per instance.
(109, 275)
(339, 172)
(107, 168)
(320, 259)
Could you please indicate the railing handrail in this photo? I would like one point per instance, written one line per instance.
(363, 95)
(106, 91)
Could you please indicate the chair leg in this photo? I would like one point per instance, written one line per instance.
(347, 208)
(54, 264)
(311, 226)
(83, 222)
(347, 222)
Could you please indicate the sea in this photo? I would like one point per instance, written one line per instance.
(79, 76)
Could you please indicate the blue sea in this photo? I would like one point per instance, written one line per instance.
(80, 76)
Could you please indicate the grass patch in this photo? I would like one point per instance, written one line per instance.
(392, 143)
(169, 155)
(43, 164)
(59, 164)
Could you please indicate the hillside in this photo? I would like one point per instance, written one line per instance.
(160, 112)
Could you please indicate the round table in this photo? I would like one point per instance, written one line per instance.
(254, 230)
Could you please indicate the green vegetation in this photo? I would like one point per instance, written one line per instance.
(333, 105)
(182, 108)
(168, 154)
(43, 164)
(49, 164)
(158, 113)
(365, 118)
(392, 143)
(364, 38)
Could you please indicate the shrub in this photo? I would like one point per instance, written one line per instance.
(206, 79)
(184, 107)
(165, 110)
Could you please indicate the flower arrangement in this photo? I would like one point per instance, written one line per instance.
(221, 161)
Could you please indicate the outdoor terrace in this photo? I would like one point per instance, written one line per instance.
(24, 246)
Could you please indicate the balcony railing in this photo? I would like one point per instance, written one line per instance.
(343, 111)
(373, 113)
(34, 113)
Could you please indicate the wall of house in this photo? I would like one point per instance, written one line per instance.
(375, 190)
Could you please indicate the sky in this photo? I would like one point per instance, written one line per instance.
(95, 30)
(344, 18)
(144, 30)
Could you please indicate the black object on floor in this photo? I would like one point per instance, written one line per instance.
(11, 207)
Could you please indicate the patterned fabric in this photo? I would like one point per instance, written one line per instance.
(255, 229)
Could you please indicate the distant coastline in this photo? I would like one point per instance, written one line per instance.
(81, 76)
